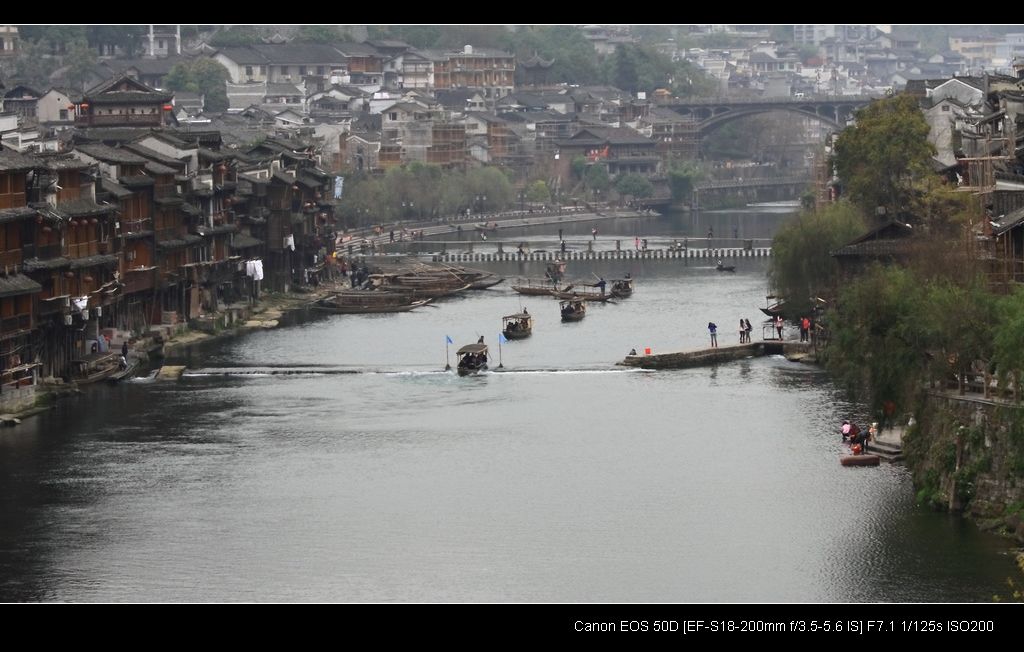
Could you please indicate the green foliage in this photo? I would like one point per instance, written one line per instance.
(877, 337)
(538, 192)
(204, 76)
(126, 37)
(56, 37)
(879, 158)
(682, 177)
(635, 68)
(237, 35)
(596, 177)
(82, 58)
(802, 265)
(574, 60)
(634, 185)
(579, 166)
(418, 36)
(31, 67)
(1008, 337)
(319, 34)
(418, 191)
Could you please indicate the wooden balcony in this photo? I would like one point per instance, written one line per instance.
(135, 120)
(16, 325)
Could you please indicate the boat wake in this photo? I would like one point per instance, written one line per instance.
(324, 370)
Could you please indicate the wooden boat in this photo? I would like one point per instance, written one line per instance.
(486, 282)
(367, 302)
(472, 359)
(583, 293)
(517, 326)
(622, 288)
(121, 374)
(864, 459)
(95, 367)
(774, 309)
(573, 309)
(536, 288)
(725, 268)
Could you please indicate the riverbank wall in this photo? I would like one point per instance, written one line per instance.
(966, 455)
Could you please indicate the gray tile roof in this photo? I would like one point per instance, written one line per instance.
(16, 284)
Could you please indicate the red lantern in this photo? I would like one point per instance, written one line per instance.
(168, 107)
(295, 186)
(47, 229)
(94, 221)
(85, 106)
(87, 279)
(69, 274)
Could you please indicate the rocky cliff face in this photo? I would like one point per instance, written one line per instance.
(967, 454)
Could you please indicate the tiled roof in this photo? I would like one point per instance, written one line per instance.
(16, 284)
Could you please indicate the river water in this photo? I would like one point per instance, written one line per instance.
(334, 460)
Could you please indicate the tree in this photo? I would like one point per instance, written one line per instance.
(634, 185)
(204, 76)
(879, 158)
(802, 265)
(32, 67)
(237, 35)
(682, 176)
(597, 177)
(57, 37)
(538, 192)
(125, 37)
(83, 59)
(878, 344)
(319, 34)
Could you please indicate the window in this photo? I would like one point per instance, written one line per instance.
(284, 70)
(248, 71)
(320, 70)
(302, 70)
(945, 107)
(160, 43)
(63, 114)
(393, 115)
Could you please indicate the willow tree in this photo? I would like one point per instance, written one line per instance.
(802, 265)
(879, 158)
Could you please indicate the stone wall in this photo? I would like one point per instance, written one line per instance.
(967, 454)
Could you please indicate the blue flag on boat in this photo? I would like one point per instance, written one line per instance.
(502, 338)
(448, 340)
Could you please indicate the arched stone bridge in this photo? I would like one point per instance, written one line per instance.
(712, 114)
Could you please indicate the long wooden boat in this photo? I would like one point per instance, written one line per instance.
(536, 288)
(517, 326)
(486, 282)
(582, 293)
(95, 367)
(369, 310)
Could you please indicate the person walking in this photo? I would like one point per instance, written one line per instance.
(749, 329)
(778, 325)
(713, 330)
(743, 332)
(805, 329)
(593, 232)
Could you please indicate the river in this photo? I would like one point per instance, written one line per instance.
(334, 460)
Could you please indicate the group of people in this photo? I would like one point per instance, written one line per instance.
(473, 361)
(745, 330)
(359, 275)
(858, 438)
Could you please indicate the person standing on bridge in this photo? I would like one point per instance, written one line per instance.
(713, 330)
(593, 232)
